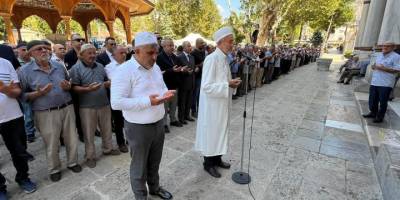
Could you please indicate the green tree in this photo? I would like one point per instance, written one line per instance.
(2, 29)
(75, 28)
(237, 22)
(317, 39)
(36, 24)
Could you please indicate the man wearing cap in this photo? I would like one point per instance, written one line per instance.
(89, 81)
(386, 66)
(23, 55)
(140, 92)
(215, 104)
(46, 86)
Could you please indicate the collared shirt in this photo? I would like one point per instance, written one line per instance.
(386, 79)
(32, 76)
(9, 108)
(22, 62)
(57, 59)
(110, 69)
(109, 54)
(83, 75)
(131, 90)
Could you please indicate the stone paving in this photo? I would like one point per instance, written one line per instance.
(308, 143)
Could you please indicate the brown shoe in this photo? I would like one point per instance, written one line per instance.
(113, 152)
(123, 149)
(91, 163)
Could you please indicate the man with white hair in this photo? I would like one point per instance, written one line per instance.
(46, 86)
(140, 92)
(386, 67)
(215, 104)
(89, 81)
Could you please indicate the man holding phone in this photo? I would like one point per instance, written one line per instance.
(215, 104)
(140, 92)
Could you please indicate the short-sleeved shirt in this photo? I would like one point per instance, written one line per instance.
(83, 75)
(31, 77)
(9, 108)
(385, 79)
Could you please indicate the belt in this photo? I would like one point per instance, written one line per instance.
(60, 107)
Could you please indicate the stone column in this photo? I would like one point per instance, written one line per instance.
(362, 22)
(110, 26)
(374, 22)
(9, 31)
(390, 30)
(67, 21)
(128, 31)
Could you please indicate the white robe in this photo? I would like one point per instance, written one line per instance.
(214, 106)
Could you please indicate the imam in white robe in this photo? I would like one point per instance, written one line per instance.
(214, 106)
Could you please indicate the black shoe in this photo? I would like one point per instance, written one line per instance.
(213, 172)
(30, 157)
(224, 165)
(176, 123)
(183, 122)
(378, 120)
(189, 119)
(55, 177)
(162, 193)
(31, 138)
(97, 133)
(194, 114)
(369, 115)
(166, 129)
(123, 148)
(76, 168)
(81, 138)
(340, 82)
(234, 97)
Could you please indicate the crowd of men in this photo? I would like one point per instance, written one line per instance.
(63, 93)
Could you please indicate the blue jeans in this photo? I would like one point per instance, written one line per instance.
(378, 100)
(28, 117)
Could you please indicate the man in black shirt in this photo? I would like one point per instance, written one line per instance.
(199, 55)
(171, 67)
(71, 57)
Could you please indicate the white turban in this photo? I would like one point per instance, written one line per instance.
(222, 33)
(144, 38)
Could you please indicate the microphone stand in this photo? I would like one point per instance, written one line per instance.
(242, 177)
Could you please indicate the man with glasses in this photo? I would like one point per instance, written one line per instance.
(46, 85)
(117, 119)
(106, 57)
(386, 66)
(70, 59)
(140, 92)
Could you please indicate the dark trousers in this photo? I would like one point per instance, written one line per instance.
(276, 73)
(212, 161)
(75, 99)
(118, 124)
(14, 137)
(378, 98)
(146, 142)
(196, 95)
(184, 103)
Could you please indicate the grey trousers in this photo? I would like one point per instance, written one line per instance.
(170, 108)
(51, 124)
(146, 143)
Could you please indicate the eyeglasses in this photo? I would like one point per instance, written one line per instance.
(112, 44)
(61, 48)
(79, 40)
(41, 49)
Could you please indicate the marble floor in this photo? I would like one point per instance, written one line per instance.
(307, 143)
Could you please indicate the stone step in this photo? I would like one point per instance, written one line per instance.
(384, 142)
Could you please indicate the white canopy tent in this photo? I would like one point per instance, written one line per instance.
(192, 37)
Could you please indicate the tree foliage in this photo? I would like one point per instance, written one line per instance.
(317, 39)
(284, 16)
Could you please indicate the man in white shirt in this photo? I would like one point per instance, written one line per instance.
(140, 92)
(383, 78)
(12, 128)
(116, 115)
(58, 53)
(215, 104)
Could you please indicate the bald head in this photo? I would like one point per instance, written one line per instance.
(59, 50)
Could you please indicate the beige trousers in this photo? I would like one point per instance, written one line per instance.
(90, 119)
(51, 124)
(260, 73)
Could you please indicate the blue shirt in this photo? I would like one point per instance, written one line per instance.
(32, 76)
(386, 79)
